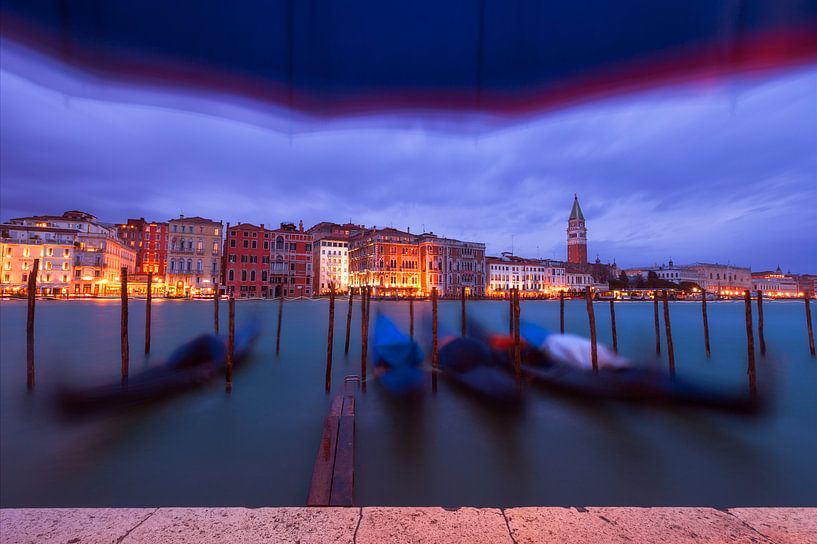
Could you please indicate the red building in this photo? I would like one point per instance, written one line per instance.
(247, 261)
(291, 256)
(576, 235)
(149, 241)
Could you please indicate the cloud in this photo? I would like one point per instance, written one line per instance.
(726, 172)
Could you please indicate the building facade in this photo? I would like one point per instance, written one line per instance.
(99, 254)
(330, 255)
(387, 260)
(576, 235)
(193, 256)
(54, 247)
(723, 279)
(247, 254)
(291, 261)
(775, 283)
(451, 265)
(533, 277)
(149, 240)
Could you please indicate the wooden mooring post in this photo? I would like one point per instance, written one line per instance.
(613, 324)
(657, 325)
(411, 317)
(562, 312)
(330, 337)
(123, 291)
(809, 326)
(591, 316)
(462, 312)
(760, 335)
(280, 316)
(364, 334)
(668, 331)
(230, 343)
(750, 343)
(706, 321)
(32, 297)
(148, 301)
(511, 298)
(517, 344)
(348, 323)
(435, 361)
(216, 297)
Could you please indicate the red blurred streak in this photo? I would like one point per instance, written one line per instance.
(756, 53)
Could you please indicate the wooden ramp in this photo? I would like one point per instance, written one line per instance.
(333, 476)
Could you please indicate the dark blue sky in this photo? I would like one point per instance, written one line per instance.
(723, 171)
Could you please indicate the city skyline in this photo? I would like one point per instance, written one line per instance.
(733, 195)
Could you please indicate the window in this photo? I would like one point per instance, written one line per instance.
(232, 243)
(231, 275)
(246, 243)
(279, 243)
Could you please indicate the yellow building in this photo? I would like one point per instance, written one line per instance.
(193, 256)
(20, 245)
(98, 256)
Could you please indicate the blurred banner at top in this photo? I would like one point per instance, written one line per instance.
(506, 59)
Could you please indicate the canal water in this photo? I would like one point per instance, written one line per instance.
(256, 447)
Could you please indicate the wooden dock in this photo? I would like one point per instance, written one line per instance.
(333, 478)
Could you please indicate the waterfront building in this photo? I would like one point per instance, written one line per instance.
(724, 279)
(667, 272)
(149, 240)
(330, 255)
(291, 261)
(247, 257)
(775, 283)
(193, 256)
(388, 260)
(807, 285)
(99, 254)
(533, 277)
(21, 244)
(576, 235)
(451, 265)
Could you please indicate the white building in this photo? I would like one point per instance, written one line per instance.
(331, 263)
(530, 276)
(54, 247)
(724, 279)
(775, 283)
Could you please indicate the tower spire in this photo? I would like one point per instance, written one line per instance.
(576, 234)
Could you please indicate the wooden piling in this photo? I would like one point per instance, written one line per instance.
(517, 345)
(411, 318)
(216, 297)
(435, 361)
(657, 324)
(809, 326)
(760, 335)
(280, 315)
(750, 343)
(348, 323)
(706, 321)
(562, 312)
(148, 301)
(511, 299)
(613, 324)
(330, 337)
(123, 290)
(462, 311)
(591, 316)
(230, 342)
(32, 296)
(668, 331)
(364, 334)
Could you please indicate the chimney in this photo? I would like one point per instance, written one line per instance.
(408, 229)
(262, 226)
(301, 225)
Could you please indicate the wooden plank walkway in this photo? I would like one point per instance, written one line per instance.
(334, 473)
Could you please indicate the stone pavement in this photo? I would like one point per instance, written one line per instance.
(398, 525)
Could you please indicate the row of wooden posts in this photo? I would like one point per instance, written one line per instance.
(513, 322)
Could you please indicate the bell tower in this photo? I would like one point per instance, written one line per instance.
(576, 235)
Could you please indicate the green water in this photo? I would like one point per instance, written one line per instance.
(257, 446)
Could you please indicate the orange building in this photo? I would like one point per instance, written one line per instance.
(388, 260)
(291, 261)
